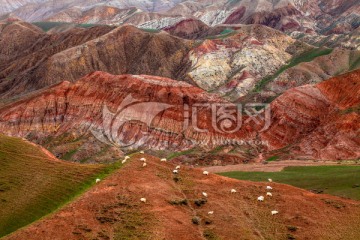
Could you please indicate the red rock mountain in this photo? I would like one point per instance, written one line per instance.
(313, 121)
(318, 121)
(76, 108)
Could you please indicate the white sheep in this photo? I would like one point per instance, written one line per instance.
(123, 161)
(269, 194)
(261, 198)
(233, 191)
(204, 194)
(98, 180)
(268, 188)
(205, 172)
(143, 200)
(274, 212)
(142, 152)
(175, 172)
(270, 180)
(143, 159)
(127, 157)
(144, 165)
(177, 167)
(163, 160)
(211, 212)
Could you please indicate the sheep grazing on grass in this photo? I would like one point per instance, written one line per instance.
(98, 180)
(204, 194)
(274, 212)
(142, 152)
(177, 167)
(269, 194)
(270, 180)
(143, 200)
(163, 160)
(205, 172)
(268, 188)
(211, 212)
(123, 161)
(233, 191)
(143, 159)
(144, 165)
(261, 198)
(127, 157)
(175, 172)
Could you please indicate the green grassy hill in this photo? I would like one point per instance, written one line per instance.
(33, 184)
(342, 181)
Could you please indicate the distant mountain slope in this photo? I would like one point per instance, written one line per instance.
(236, 62)
(77, 53)
(34, 183)
(323, 17)
(176, 209)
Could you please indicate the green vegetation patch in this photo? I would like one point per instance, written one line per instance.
(178, 154)
(46, 26)
(342, 181)
(304, 57)
(272, 159)
(150, 30)
(33, 185)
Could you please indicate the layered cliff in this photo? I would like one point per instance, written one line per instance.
(134, 111)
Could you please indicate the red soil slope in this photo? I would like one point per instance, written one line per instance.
(112, 209)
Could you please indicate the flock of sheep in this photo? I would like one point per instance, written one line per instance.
(176, 171)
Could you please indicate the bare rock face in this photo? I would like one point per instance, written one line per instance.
(233, 65)
(318, 121)
(101, 103)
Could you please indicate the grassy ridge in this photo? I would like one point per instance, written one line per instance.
(304, 57)
(342, 181)
(33, 185)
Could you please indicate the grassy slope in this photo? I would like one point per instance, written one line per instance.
(33, 185)
(304, 57)
(336, 180)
